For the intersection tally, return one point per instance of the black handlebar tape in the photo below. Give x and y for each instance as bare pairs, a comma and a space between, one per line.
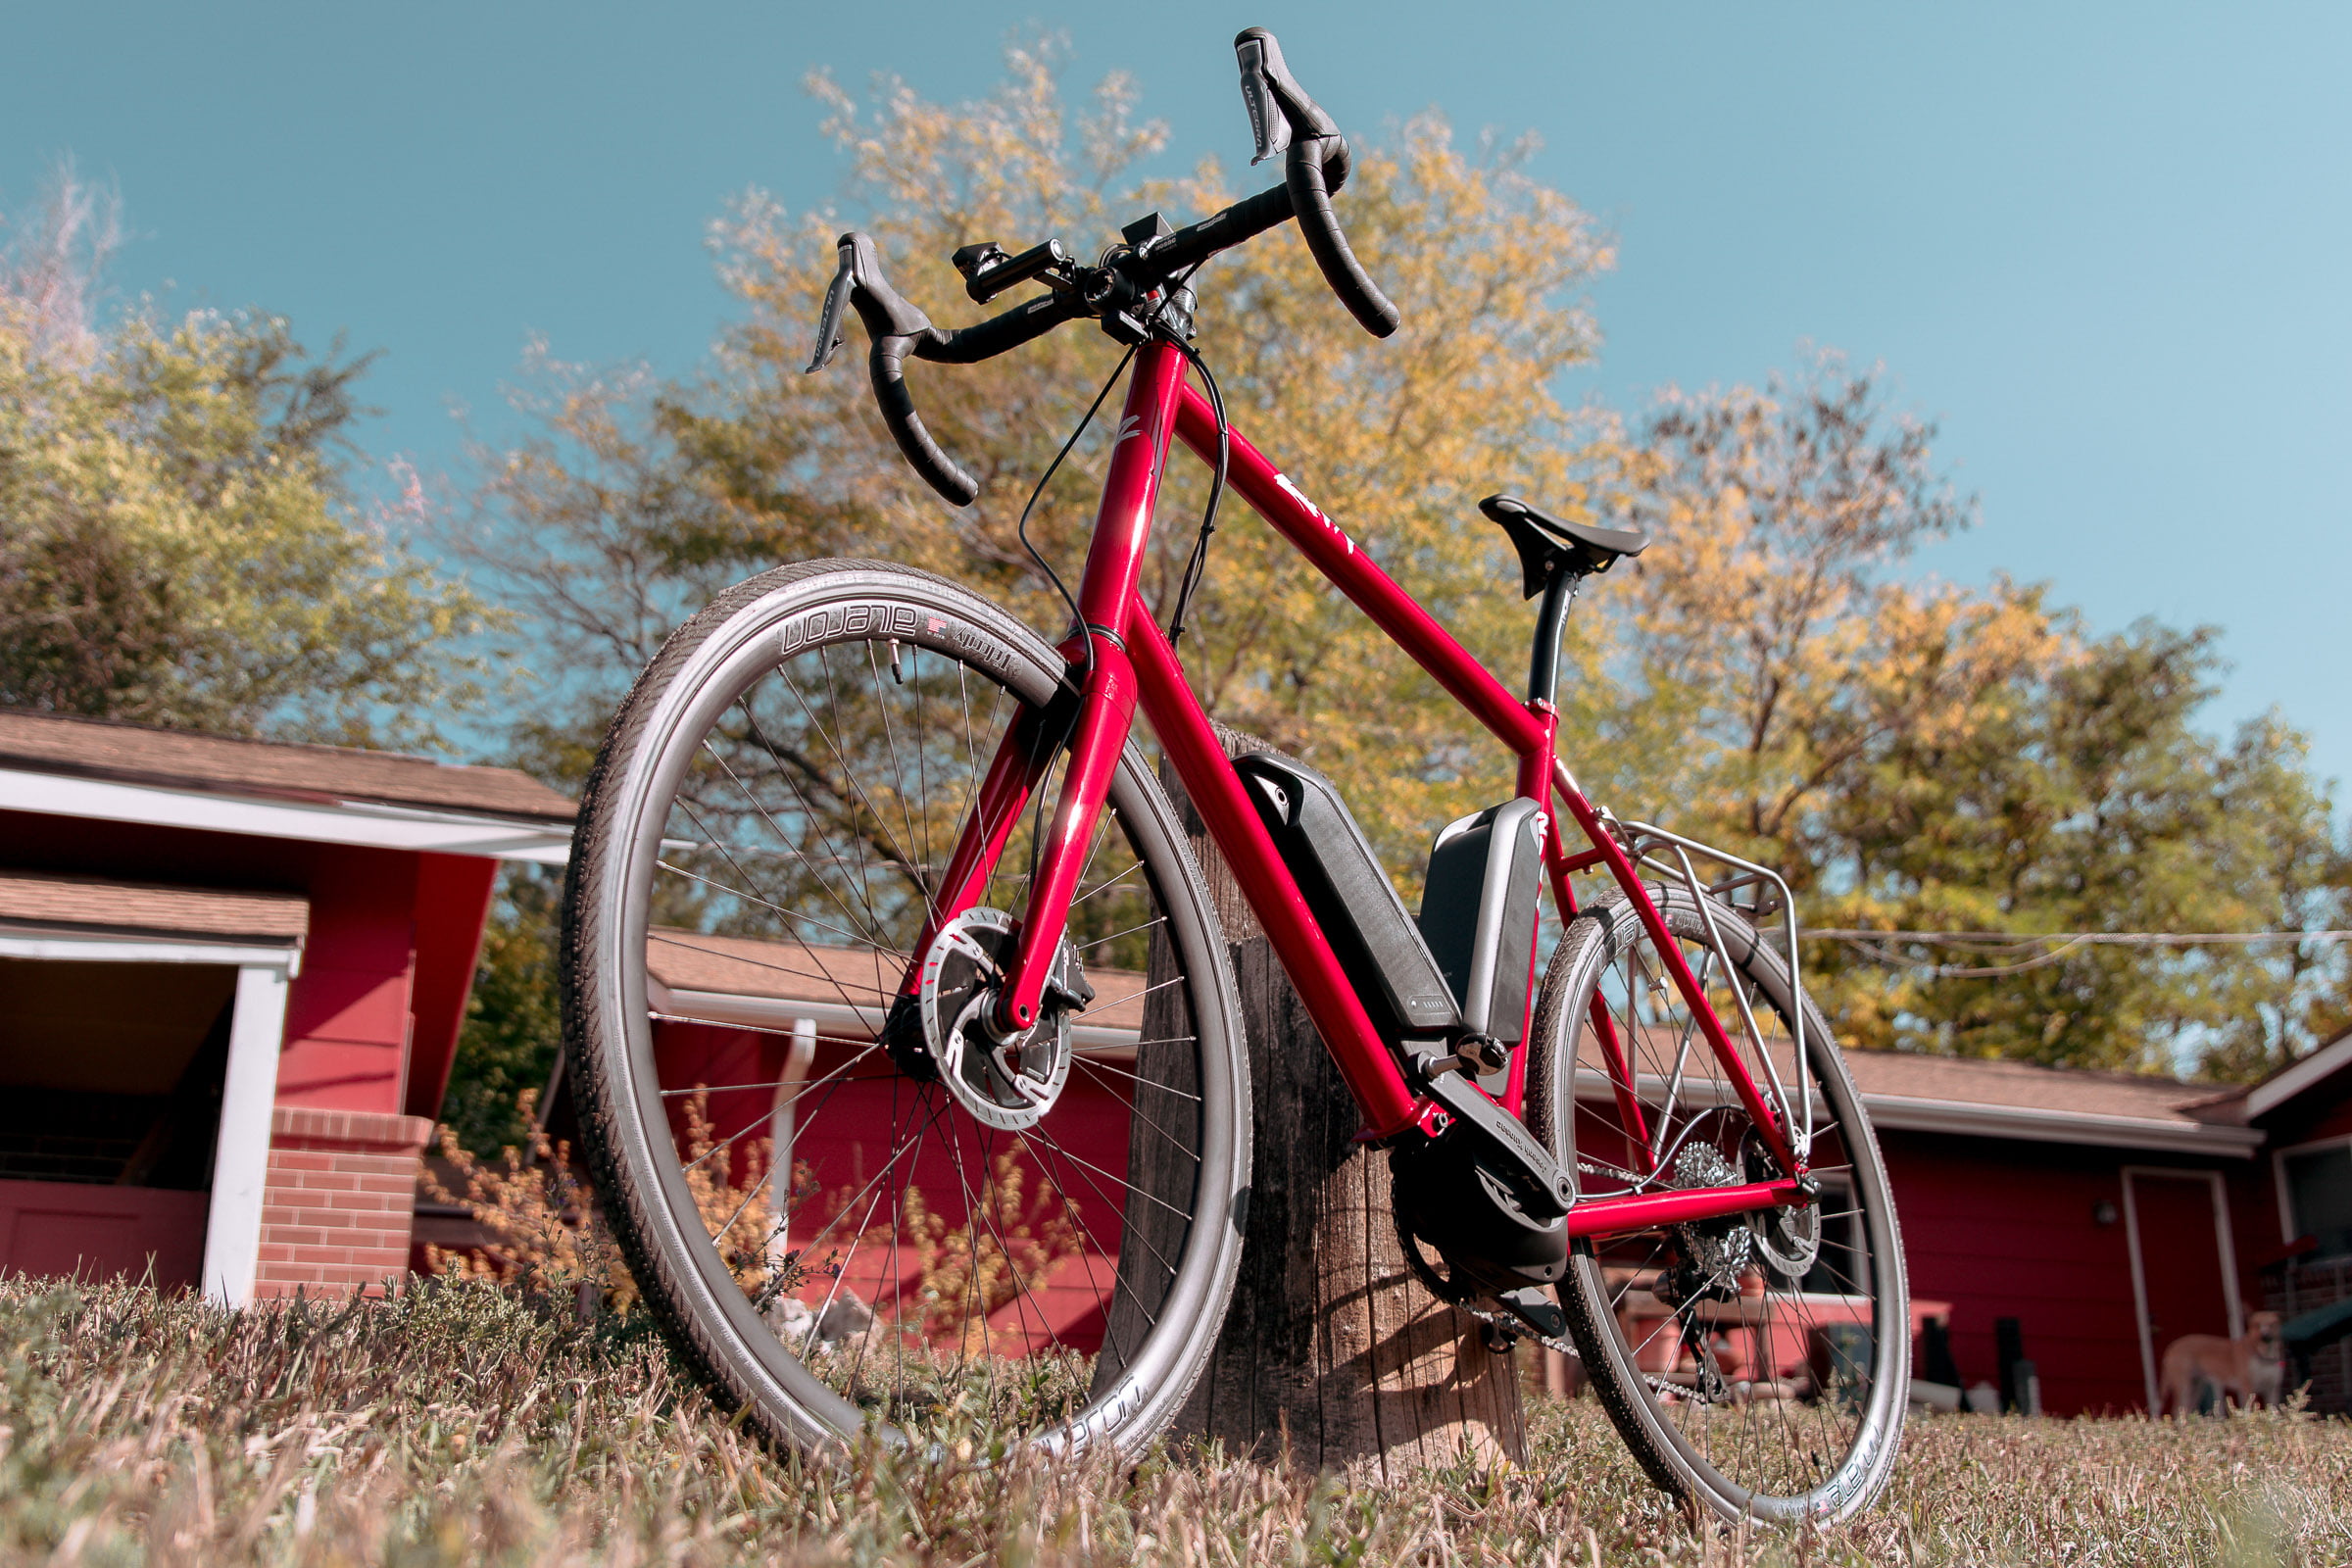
939, 471
1244, 219
897, 328
1310, 191
985, 340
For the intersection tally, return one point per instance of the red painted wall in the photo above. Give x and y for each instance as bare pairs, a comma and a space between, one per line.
850, 1135
452, 903
2321, 1112
372, 1025
2007, 1229
393, 934
347, 1015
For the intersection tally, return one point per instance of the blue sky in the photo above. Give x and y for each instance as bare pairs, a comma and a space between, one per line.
2103, 244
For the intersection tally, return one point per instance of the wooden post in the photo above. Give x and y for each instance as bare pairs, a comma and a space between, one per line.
1330, 1348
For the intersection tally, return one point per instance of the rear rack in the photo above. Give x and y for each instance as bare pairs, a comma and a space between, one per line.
1770, 896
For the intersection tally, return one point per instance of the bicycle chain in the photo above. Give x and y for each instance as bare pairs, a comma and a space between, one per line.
1463, 1299
1464, 1302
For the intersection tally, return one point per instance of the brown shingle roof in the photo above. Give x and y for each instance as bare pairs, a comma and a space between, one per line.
91, 903
859, 977
136, 753
2025, 1086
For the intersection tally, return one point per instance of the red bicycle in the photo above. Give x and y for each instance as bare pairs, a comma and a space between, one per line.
905, 1037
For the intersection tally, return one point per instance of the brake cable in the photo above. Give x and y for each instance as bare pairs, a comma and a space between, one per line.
1196, 568
1086, 641
1077, 621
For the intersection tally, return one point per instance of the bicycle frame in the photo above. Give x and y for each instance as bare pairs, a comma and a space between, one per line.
1133, 665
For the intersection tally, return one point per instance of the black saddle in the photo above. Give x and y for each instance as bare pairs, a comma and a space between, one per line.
1549, 545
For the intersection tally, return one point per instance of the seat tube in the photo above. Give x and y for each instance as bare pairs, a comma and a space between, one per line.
1107, 710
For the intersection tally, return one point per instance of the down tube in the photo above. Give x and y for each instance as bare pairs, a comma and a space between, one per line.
1381, 1093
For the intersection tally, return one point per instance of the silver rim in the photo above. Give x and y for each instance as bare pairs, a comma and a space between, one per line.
1775, 1390
847, 1241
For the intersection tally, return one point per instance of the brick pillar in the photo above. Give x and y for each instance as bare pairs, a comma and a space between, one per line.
338, 1202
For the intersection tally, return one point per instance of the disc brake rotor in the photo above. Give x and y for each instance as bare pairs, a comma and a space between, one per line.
1005, 1081
1788, 1238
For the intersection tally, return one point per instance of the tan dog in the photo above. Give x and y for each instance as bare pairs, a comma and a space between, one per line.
2248, 1367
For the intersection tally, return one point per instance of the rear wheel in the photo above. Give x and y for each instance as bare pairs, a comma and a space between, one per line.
1757, 1365
841, 1231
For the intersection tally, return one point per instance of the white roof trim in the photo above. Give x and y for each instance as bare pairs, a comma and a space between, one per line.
777, 1015
363, 822
88, 948
2264, 1099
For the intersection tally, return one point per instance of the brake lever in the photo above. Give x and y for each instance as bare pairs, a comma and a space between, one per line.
1278, 108
830, 323
860, 286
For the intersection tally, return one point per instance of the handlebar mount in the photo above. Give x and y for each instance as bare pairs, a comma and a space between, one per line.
1133, 291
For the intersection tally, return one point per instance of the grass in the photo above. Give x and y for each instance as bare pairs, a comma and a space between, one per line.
455, 1425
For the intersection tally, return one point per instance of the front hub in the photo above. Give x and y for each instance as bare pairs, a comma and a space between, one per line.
1006, 1081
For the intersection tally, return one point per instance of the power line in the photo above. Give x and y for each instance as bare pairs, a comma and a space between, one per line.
1881, 945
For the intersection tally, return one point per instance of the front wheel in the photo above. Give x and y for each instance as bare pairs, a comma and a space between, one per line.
1757, 1365
840, 1229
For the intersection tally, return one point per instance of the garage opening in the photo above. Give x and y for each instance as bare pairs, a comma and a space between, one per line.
110, 1079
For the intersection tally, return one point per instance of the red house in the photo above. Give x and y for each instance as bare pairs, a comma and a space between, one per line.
231, 978
2077, 1221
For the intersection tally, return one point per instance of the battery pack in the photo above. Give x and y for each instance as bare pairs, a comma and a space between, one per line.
1478, 913
1351, 897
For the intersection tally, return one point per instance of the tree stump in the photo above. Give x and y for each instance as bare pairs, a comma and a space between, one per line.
1332, 1348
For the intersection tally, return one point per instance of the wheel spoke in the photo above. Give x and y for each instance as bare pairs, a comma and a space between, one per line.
914, 1255
1776, 1340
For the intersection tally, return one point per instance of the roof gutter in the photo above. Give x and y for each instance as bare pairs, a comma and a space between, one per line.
2035, 1124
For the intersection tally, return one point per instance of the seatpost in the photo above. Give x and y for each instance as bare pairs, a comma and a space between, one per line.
1552, 620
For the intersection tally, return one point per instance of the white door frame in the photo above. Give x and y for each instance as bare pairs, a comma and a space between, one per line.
2222, 1241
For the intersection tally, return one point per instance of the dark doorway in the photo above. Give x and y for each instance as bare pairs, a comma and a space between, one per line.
2182, 1261
109, 1103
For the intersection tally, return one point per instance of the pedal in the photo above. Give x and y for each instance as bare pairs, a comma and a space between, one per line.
1535, 1307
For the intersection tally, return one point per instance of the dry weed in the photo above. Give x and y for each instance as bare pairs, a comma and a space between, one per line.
455, 1425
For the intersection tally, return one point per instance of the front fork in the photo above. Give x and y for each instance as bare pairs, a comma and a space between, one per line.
1092, 715
1101, 713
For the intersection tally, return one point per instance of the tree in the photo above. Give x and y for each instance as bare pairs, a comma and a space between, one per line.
1927, 757
642, 499
177, 543
1918, 755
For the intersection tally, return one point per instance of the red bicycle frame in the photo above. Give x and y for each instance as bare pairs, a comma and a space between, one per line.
1132, 666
